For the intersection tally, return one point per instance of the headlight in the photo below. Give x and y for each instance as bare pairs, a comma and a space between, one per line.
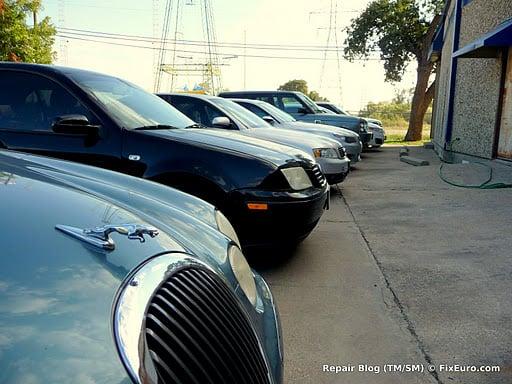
325, 152
363, 125
297, 178
243, 273
225, 227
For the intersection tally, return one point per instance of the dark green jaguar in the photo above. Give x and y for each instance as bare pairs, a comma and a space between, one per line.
106, 278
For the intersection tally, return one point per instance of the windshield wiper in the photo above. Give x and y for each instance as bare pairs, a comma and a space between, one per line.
153, 127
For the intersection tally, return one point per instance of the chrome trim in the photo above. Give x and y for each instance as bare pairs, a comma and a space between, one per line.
130, 307
99, 236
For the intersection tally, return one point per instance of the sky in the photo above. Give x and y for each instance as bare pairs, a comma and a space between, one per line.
272, 22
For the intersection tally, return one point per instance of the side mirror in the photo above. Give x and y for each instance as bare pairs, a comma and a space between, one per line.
269, 119
221, 122
74, 125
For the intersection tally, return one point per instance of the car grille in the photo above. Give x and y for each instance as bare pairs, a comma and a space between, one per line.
342, 152
317, 177
350, 139
197, 332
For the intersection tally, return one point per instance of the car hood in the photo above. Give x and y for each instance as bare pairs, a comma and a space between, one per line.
303, 140
375, 127
328, 118
374, 121
321, 128
56, 292
234, 141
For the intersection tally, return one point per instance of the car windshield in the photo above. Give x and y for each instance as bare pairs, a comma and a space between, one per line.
281, 115
130, 105
249, 119
310, 103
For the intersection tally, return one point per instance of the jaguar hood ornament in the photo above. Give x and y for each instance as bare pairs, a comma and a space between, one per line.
99, 236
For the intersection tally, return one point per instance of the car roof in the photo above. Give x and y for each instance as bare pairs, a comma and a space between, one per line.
248, 101
255, 92
45, 68
194, 95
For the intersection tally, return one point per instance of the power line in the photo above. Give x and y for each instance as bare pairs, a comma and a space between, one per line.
202, 43
71, 37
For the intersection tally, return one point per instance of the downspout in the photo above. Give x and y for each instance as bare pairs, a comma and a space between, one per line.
453, 74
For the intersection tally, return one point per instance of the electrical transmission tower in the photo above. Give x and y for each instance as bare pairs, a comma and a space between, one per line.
332, 31
205, 68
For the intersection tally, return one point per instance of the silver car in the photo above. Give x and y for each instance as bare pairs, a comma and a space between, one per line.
280, 119
216, 112
379, 135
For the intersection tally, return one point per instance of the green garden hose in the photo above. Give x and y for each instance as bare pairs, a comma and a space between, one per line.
485, 185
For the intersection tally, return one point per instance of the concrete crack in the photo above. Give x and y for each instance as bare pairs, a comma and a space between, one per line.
398, 303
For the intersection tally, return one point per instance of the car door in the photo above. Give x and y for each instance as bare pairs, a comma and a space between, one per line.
31, 103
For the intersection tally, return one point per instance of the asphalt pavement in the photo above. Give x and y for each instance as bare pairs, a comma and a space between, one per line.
403, 273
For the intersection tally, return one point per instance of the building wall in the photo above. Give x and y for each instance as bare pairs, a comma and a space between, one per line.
476, 106
477, 83
443, 81
477, 89
482, 16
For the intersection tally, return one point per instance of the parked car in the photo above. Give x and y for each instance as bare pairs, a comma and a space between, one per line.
379, 135
271, 193
304, 109
216, 112
280, 119
339, 111
106, 278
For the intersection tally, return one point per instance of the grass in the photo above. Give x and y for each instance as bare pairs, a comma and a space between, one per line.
398, 139
395, 136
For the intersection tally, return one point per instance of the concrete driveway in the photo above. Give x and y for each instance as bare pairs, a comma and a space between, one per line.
404, 273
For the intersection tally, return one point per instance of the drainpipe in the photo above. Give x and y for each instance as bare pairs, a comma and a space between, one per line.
453, 73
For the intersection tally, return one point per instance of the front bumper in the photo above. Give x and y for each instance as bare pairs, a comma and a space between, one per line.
378, 139
289, 218
365, 137
335, 170
353, 151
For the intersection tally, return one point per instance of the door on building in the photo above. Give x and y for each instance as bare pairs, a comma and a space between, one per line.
505, 135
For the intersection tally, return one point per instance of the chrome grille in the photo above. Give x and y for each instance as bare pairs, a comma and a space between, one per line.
317, 177
197, 332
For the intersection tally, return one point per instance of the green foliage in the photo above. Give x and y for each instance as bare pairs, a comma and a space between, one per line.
301, 86
295, 86
20, 41
395, 113
315, 96
395, 28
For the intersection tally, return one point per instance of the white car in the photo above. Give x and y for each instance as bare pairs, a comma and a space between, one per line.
379, 135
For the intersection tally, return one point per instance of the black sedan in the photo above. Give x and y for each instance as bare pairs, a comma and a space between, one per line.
271, 193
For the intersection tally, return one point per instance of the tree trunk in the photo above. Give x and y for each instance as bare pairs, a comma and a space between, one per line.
420, 102
423, 93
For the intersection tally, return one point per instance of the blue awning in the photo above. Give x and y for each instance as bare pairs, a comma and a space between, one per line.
489, 44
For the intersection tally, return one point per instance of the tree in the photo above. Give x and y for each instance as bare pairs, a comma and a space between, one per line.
18, 40
301, 86
295, 86
315, 96
402, 31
